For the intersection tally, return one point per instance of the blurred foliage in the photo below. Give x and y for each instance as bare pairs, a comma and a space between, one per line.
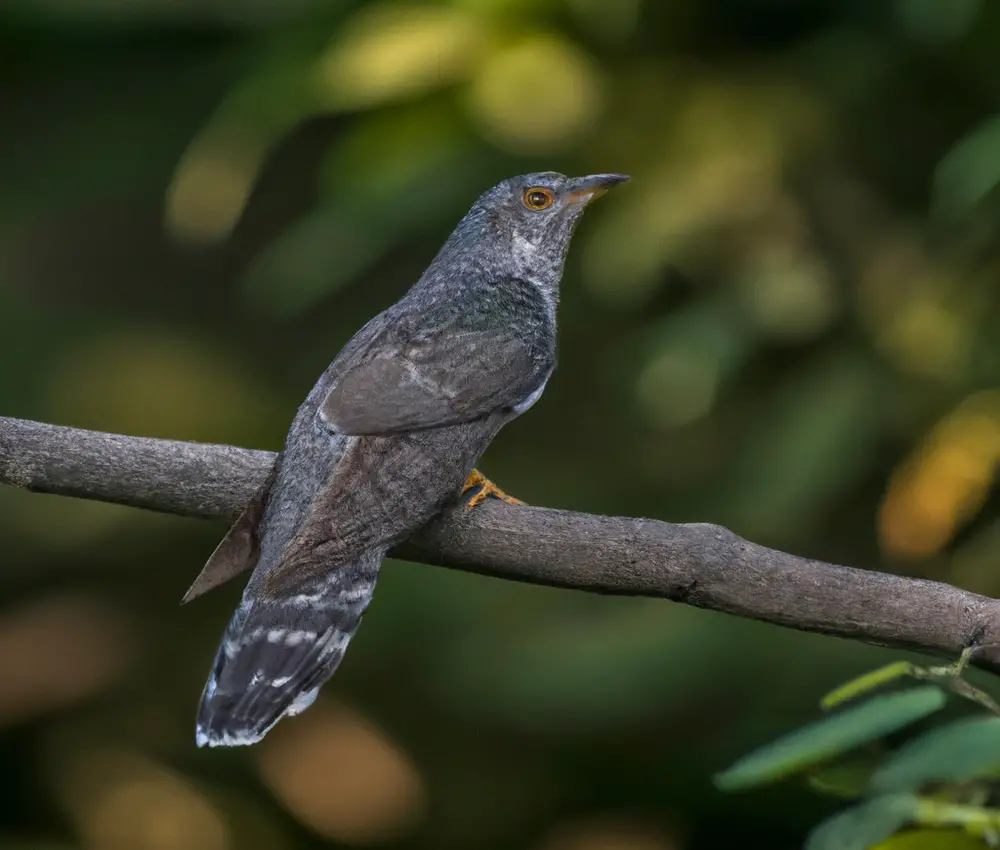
940, 786
786, 324
837, 734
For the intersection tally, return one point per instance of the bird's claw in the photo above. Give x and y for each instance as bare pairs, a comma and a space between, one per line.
486, 488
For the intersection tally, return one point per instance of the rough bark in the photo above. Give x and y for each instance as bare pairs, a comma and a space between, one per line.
698, 564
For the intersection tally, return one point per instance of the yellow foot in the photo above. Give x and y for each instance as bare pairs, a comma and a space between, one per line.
486, 488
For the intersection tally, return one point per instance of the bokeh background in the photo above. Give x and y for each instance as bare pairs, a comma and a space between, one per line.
787, 323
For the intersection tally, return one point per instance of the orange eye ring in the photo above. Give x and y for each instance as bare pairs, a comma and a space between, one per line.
537, 198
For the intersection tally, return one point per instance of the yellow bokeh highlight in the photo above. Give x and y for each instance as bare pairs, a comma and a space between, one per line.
500, 9
922, 313
341, 775
931, 839
537, 95
211, 185
720, 167
607, 834
148, 382
788, 291
714, 154
614, 22
395, 50
945, 482
678, 387
927, 336
59, 651
121, 800
384, 53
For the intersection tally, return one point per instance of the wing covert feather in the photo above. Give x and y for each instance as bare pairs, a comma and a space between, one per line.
428, 377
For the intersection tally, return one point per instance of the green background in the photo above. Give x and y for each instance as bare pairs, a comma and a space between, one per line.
787, 324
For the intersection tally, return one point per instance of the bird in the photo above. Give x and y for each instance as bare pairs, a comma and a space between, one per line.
390, 434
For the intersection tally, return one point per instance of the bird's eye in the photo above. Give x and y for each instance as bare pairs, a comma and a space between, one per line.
538, 198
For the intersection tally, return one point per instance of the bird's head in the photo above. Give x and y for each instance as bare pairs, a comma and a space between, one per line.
528, 221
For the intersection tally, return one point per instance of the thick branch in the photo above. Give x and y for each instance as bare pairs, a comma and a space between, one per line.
703, 565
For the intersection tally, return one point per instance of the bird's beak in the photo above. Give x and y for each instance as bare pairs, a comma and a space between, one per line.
585, 189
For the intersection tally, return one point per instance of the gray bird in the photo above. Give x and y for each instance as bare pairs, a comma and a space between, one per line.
390, 433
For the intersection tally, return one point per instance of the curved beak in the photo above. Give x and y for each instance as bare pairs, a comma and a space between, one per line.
585, 189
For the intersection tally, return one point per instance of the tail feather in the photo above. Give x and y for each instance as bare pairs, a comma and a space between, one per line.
274, 657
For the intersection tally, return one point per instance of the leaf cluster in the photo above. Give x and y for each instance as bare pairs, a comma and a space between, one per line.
914, 784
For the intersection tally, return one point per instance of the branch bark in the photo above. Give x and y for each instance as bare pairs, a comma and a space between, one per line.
698, 564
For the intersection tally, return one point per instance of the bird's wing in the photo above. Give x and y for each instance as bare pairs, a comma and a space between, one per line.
238, 550
444, 369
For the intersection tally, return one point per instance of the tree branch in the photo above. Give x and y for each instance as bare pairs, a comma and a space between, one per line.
699, 564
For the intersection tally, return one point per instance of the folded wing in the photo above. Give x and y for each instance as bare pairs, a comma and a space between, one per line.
447, 370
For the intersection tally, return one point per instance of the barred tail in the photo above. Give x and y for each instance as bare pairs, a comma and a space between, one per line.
275, 655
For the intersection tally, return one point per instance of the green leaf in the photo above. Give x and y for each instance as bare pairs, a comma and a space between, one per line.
936, 24
861, 827
969, 171
813, 440
971, 692
974, 819
850, 779
931, 839
868, 682
339, 242
317, 255
948, 676
965, 749
831, 737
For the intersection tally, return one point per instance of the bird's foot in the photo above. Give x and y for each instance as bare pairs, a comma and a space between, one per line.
485, 488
